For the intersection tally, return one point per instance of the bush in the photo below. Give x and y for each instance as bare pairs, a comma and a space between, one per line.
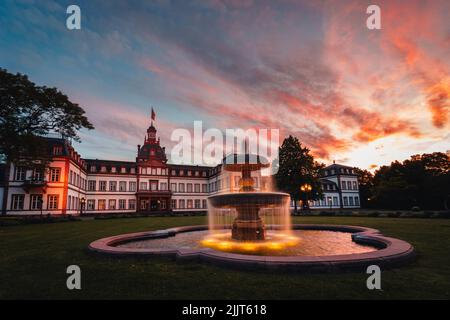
373, 214
394, 214
415, 209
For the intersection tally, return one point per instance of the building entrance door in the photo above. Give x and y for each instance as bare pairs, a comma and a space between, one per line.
154, 205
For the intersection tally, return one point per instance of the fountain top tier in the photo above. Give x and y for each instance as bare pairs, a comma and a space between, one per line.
245, 163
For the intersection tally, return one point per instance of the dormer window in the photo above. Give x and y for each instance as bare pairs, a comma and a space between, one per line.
93, 169
189, 173
197, 173
103, 169
57, 150
132, 170
123, 170
113, 169
181, 172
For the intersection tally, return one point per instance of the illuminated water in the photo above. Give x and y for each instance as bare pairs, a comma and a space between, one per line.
310, 243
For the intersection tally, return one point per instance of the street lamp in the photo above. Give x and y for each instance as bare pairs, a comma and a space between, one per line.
41, 202
82, 203
306, 188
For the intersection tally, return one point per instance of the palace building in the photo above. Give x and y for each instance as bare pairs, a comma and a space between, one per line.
74, 185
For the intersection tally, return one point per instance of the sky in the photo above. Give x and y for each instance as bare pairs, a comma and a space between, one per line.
312, 69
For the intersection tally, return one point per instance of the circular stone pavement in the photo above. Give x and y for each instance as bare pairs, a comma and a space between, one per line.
391, 252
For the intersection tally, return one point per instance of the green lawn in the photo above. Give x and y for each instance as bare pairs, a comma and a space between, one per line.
34, 258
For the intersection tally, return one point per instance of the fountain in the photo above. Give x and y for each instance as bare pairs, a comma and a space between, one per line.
251, 228
248, 212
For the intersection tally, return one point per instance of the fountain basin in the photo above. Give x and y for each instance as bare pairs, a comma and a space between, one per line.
388, 253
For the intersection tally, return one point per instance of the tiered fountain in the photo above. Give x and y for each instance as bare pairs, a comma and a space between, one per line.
252, 229
258, 220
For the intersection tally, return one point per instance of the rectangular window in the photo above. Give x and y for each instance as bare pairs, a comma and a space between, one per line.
351, 200
204, 204
174, 203
20, 173
122, 204
173, 187
92, 185
154, 185
197, 187
189, 187
17, 201
143, 186
163, 186
329, 203
101, 204
204, 188
132, 204
35, 201
113, 186
163, 204
132, 186
37, 175
349, 185
356, 201
181, 187
57, 150
52, 201
335, 201
55, 174
122, 186
181, 202
343, 185
197, 204
345, 201
102, 185
153, 171
112, 204
189, 204
355, 185
90, 205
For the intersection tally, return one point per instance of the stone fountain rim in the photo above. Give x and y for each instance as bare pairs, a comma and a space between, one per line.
394, 252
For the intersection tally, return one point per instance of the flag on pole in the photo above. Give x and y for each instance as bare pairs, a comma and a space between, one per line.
153, 115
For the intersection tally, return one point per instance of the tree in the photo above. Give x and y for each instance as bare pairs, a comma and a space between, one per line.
365, 180
295, 168
423, 181
29, 112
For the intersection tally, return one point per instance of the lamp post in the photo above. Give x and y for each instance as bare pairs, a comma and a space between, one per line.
82, 203
306, 188
41, 202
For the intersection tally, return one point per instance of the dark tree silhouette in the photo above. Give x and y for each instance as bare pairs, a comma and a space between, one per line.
296, 166
27, 112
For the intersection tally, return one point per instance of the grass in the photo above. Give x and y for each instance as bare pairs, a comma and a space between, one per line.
34, 259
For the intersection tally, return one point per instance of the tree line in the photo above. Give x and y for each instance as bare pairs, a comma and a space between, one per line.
421, 182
